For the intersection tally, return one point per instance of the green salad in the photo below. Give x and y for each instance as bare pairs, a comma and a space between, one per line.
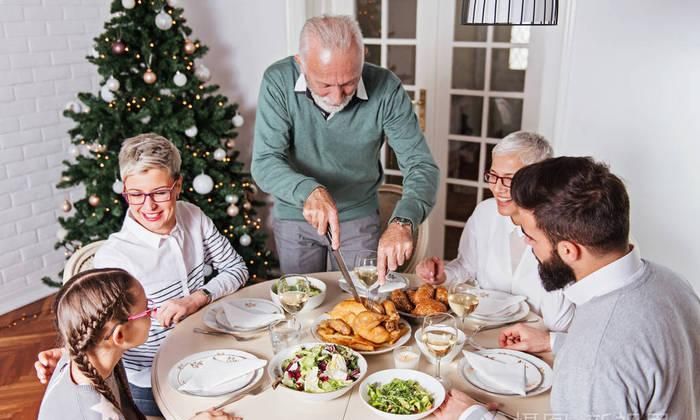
321, 368
313, 291
400, 397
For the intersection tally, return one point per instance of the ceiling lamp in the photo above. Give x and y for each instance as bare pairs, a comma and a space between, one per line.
510, 12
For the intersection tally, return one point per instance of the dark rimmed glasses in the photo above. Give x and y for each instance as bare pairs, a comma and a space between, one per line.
158, 196
150, 311
492, 178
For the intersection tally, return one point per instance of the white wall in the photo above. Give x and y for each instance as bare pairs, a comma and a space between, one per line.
629, 96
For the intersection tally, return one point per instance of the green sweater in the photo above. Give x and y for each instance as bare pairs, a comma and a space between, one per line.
296, 149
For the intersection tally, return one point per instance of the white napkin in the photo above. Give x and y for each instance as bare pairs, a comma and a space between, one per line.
243, 318
213, 373
494, 306
393, 282
508, 377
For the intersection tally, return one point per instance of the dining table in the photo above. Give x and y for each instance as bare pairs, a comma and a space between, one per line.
263, 402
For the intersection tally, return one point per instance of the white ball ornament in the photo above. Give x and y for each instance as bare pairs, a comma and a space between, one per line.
219, 154
146, 119
231, 198
74, 106
232, 210
179, 79
238, 120
245, 240
203, 184
202, 73
164, 21
128, 4
61, 234
118, 187
173, 3
112, 84
192, 131
74, 151
106, 94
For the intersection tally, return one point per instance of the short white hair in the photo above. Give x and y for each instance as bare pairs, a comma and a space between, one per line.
334, 32
148, 151
530, 147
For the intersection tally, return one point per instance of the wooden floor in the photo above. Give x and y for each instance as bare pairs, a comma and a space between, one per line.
23, 333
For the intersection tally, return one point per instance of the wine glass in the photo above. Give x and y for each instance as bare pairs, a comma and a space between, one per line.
463, 299
293, 291
439, 334
366, 269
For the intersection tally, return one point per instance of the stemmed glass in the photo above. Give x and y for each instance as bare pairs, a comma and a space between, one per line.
463, 299
293, 291
366, 269
439, 334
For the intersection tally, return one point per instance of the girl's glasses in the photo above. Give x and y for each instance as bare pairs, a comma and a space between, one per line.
150, 311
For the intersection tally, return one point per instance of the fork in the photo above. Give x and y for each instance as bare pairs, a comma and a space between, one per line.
231, 334
232, 399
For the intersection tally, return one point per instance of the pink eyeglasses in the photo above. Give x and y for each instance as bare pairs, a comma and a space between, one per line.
151, 311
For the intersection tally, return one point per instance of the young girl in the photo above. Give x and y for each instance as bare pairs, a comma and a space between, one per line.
100, 314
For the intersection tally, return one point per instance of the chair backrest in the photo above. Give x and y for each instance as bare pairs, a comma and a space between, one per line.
81, 260
389, 195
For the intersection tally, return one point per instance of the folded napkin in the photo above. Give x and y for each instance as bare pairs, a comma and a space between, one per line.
248, 318
508, 377
495, 306
213, 373
393, 282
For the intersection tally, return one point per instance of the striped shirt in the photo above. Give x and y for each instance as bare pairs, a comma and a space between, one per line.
171, 267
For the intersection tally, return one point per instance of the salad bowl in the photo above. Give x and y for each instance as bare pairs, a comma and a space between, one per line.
317, 371
318, 294
390, 384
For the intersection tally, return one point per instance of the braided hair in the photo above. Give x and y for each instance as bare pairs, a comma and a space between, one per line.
83, 306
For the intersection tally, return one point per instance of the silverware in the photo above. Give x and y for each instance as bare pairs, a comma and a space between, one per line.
346, 274
502, 413
493, 327
232, 399
230, 334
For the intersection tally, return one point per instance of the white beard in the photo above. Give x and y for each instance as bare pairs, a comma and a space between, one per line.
329, 108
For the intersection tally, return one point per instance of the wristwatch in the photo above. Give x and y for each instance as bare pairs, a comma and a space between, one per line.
206, 293
402, 221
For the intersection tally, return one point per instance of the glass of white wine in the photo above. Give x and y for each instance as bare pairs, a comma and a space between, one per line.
463, 299
293, 291
366, 269
439, 334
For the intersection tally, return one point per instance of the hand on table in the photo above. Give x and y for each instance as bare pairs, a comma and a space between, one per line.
395, 248
454, 405
175, 310
46, 363
432, 270
212, 414
524, 338
320, 211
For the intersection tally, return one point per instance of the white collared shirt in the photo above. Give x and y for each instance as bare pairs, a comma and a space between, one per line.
170, 267
360, 92
485, 254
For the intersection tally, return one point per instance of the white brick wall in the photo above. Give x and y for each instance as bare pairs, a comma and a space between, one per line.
42, 48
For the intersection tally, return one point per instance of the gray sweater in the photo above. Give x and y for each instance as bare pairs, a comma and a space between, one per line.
633, 353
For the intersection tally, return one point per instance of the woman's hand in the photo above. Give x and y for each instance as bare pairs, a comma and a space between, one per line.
432, 270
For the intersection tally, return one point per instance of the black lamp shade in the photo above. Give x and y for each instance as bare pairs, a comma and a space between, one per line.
510, 12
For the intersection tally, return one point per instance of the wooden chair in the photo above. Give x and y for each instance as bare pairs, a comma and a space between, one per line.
81, 260
389, 195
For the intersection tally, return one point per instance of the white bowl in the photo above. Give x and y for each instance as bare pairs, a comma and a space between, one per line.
461, 338
312, 303
275, 371
428, 382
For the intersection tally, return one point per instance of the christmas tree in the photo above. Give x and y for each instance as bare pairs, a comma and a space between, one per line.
153, 81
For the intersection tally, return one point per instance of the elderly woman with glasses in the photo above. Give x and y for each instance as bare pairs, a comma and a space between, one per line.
492, 250
165, 243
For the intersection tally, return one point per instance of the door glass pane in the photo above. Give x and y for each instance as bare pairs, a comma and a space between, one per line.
508, 69
452, 235
465, 115
373, 54
390, 160
505, 116
402, 18
512, 34
467, 32
401, 59
461, 201
468, 68
393, 179
463, 160
487, 193
369, 16
489, 151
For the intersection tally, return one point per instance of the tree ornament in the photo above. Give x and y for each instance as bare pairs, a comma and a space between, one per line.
189, 47
253, 188
146, 119
166, 92
164, 21
112, 84
94, 200
118, 47
149, 77
61, 234
118, 187
192, 131
219, 154
232, 210
203, 184
74, 151
65, 178
231, 198
207, 270
230, 143
237, 120
66, 206
173, 3
202, 73
128, 4
86, 109
179, 79
74, 107
245, 240
247, 206
106, 94
94, 53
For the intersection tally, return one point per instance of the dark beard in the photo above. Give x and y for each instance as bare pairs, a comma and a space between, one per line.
554, 273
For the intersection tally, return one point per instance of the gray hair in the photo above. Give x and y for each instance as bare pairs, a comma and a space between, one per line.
530, 147
148, 151
339, 32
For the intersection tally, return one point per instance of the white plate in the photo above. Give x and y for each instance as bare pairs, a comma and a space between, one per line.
539, 374
215, 317
400, 342
519, 312
183, 370
426, 381
313, 302
391, 277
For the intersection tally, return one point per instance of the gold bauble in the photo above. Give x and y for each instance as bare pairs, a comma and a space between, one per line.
189, 47
94, 200
149, 77
247, 205
230, 143
232, 210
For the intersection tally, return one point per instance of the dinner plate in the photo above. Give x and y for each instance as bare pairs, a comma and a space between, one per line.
215, 317
185, 368
512, 314
391, 277
538, 373
383, 349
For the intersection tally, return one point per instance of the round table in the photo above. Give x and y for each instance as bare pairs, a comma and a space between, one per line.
269, 405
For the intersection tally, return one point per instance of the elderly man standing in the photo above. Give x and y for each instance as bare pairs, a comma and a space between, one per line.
321, 121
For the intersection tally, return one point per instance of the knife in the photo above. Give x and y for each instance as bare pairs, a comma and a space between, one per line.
343, 268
